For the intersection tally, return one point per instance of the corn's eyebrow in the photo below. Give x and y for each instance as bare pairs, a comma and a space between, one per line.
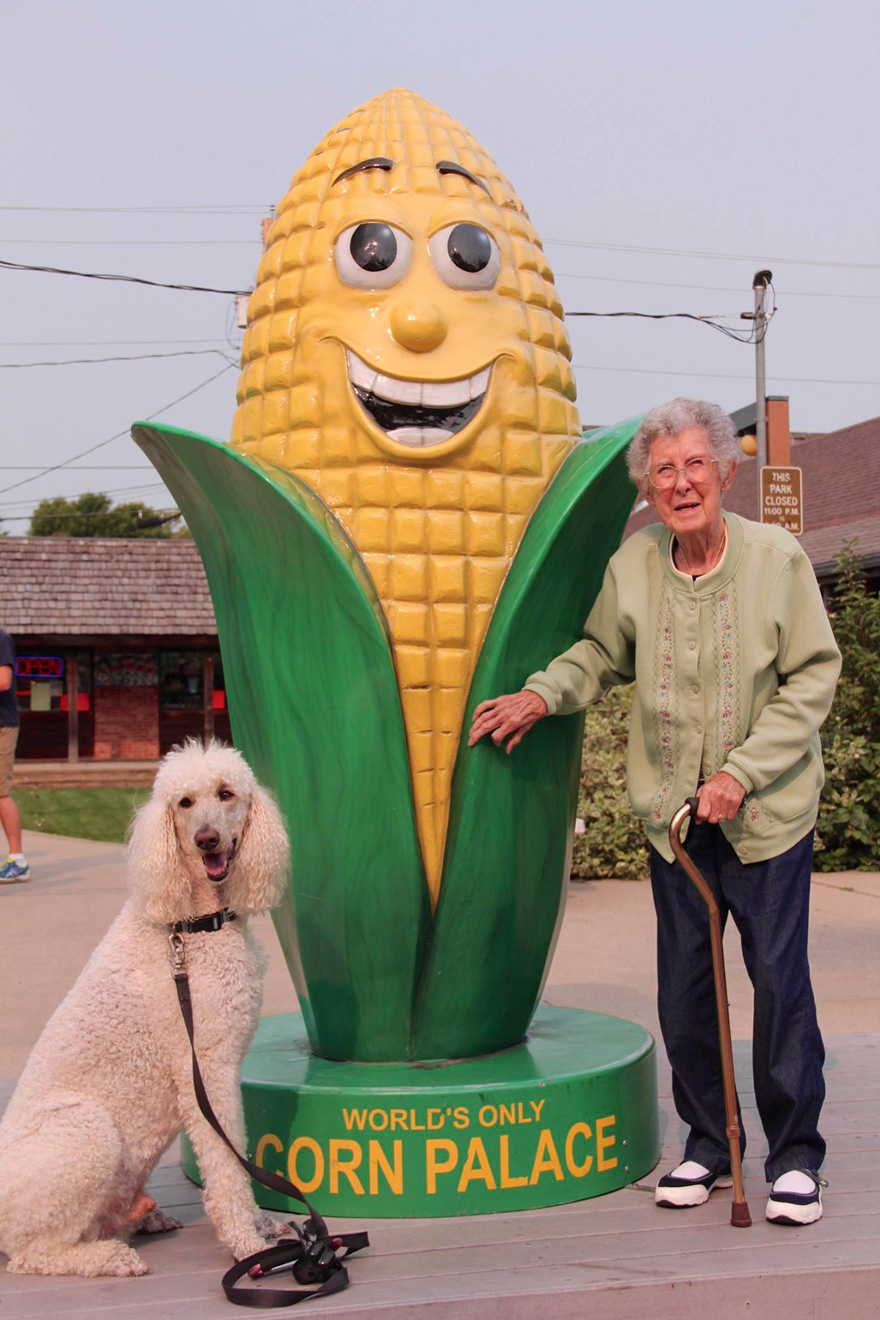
374, 163
450, 167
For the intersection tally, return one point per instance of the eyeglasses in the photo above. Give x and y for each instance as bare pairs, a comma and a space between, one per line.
697, 470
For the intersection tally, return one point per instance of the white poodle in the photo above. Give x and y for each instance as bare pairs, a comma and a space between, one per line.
109, 1083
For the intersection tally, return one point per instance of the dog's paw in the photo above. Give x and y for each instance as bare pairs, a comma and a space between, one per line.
124, 1263
247, 1245
158, 1222
268, 1227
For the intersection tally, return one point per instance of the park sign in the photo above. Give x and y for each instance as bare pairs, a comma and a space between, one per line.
782, 498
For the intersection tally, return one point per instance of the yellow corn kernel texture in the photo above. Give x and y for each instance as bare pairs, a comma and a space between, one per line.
437, 532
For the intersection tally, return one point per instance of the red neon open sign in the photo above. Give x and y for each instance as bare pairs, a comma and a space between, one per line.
39, 666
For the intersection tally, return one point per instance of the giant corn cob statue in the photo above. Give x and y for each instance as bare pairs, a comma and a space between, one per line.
459, 406
411, 523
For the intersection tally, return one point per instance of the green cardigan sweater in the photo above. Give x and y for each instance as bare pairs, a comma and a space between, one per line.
734, 671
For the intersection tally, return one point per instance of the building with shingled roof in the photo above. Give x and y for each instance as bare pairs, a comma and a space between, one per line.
118, 657
116, 641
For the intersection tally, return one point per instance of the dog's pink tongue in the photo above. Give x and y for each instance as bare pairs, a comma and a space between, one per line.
215, 864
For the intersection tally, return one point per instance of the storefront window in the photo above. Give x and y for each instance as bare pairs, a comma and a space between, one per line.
219, 695
41, 681
180, 680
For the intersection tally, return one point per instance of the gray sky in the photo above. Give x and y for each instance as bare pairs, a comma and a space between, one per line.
746, 131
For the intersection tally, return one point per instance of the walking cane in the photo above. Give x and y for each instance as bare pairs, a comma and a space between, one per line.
739, 1211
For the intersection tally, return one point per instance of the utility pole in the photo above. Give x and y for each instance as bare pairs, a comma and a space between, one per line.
760, 285
780, 486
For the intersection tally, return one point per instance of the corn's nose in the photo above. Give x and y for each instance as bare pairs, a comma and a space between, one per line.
418, 326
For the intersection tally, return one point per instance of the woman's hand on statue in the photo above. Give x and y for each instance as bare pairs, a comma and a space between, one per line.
509, 717
720, 798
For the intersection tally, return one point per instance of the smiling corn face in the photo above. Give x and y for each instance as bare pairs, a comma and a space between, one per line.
405, 358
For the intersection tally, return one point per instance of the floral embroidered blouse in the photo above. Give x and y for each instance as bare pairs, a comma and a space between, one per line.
733, 671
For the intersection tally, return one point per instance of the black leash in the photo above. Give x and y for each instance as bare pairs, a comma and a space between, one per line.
313, 1253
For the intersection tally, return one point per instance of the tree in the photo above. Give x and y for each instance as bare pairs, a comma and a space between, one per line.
93, 514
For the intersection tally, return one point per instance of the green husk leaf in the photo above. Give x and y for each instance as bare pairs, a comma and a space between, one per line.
512, 818
315, 709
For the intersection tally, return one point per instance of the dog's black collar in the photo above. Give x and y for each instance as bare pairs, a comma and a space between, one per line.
213, 921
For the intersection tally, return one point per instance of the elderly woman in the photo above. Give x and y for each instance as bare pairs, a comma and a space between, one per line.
720, 624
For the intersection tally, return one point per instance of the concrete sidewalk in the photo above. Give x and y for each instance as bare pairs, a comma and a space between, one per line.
605, 958
614, 1257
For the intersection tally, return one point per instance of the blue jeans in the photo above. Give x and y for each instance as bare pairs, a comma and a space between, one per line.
769, 902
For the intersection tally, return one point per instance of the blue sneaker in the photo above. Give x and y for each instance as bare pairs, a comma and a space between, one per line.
13, 871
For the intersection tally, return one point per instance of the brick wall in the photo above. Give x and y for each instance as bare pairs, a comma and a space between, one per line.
126, 723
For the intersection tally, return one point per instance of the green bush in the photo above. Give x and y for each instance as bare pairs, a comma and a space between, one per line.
614, 842
847, 833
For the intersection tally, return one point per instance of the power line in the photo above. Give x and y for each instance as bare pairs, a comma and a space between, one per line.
86, 467
116, 490
255, 208
721, 375
155, 484
119, 434
243, 208
129, 357
133, 242
741, 337
713, 256
744, 338
707, 288
100, 343
123, 279
108, 513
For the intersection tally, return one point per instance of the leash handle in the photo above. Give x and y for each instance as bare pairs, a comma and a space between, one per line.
292, 1254
313, 1256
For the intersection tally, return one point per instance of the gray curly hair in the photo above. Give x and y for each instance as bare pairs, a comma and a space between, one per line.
670, 419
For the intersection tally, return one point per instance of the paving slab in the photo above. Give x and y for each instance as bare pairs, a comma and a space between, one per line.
616, 1257
611, 1258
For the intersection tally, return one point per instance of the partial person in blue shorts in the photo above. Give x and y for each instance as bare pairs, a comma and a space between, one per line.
15, 867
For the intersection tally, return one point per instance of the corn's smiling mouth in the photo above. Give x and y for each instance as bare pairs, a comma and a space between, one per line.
412, 412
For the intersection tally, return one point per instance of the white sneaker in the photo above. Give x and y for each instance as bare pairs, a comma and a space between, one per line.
796, 1198
689, 1184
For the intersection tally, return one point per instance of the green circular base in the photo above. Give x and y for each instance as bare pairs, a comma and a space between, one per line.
569, 1114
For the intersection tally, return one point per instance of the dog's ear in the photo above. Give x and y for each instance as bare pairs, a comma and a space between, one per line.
157, 876
263, 854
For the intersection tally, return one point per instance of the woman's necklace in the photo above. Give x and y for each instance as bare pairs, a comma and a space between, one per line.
680, 557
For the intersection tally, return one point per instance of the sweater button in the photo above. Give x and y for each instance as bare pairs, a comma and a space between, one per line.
692, 646
693, 604
695, 688
699, 728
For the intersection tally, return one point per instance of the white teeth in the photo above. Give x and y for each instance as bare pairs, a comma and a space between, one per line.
397, 391
446, 394
431, 394
419, 436
479, 383
359, 373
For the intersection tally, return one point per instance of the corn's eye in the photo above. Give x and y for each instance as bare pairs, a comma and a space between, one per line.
185, 802
465, 257
372, 255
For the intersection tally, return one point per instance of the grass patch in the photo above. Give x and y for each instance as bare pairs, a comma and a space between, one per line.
80, 813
